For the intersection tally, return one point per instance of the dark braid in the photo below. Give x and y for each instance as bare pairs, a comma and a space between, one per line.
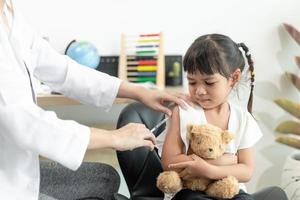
251, 69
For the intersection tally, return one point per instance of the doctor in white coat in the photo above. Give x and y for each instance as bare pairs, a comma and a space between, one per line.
27, 131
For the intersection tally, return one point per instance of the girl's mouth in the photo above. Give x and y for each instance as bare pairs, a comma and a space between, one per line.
204, 100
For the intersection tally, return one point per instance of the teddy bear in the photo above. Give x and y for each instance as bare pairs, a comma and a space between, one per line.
208, 142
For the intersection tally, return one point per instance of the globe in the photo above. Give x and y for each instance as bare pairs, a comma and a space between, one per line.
84, 53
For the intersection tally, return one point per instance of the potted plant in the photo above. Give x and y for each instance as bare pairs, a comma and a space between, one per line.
292, 107
290, 130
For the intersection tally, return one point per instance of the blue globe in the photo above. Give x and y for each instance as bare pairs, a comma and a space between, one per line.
84, 53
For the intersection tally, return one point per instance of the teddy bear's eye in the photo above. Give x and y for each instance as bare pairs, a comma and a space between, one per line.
199, 142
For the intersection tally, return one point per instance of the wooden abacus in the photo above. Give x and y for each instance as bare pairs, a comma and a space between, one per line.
142, 59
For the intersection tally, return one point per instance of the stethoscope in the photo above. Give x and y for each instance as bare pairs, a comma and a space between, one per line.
30, 81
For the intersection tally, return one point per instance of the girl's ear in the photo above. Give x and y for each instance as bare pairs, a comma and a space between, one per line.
235, 76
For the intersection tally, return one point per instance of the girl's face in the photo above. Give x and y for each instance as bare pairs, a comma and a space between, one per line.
209, 91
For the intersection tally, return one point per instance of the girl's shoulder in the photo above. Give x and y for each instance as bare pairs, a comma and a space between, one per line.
244, 126
192, 114
242, 117
240, 111
191, 109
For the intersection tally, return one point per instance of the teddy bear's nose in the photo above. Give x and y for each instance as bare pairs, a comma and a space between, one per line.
210, 149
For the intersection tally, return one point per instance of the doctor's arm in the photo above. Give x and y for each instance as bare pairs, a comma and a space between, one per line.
153, 98
64, 141
88, 85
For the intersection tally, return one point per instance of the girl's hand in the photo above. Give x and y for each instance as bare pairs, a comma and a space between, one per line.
132, 136
192, 169
226, 159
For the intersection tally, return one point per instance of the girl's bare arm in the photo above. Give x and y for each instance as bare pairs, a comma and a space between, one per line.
243, 170
226, 159
173, 145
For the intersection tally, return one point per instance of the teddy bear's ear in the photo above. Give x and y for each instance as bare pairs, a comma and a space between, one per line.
189, 131
227, 137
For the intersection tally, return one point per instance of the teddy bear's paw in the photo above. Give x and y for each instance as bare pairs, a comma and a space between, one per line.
169, 182
199, 184
226, 188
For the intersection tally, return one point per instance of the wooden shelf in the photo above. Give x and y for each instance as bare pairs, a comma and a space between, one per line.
61, 100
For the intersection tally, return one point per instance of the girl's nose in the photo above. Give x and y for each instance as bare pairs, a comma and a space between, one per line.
200, 91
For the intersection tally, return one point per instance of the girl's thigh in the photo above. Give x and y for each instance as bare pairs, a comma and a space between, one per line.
243, 196
187, 194
193, 195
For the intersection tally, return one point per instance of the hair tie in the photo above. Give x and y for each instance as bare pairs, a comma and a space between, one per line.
252, 72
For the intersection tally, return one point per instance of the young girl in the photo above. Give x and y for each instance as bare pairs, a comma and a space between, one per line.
214, 64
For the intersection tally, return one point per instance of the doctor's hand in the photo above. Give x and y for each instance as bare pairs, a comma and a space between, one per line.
185, 96
191, 169
157, 100
128, 137
132, 136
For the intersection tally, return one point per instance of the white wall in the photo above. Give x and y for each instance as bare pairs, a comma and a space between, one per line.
256, 22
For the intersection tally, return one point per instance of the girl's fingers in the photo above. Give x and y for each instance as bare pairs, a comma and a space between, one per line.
180, 165
183, 173
195, 157
186, 177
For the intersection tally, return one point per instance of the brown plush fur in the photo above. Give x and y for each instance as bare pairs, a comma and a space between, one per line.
208, 142
169, 182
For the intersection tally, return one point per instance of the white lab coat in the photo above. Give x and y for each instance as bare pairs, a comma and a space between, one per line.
26, 130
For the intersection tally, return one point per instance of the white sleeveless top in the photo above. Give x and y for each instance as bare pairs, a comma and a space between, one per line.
241, 124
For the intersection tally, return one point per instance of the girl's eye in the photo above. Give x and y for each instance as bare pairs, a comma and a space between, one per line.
192, 83
209, 83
